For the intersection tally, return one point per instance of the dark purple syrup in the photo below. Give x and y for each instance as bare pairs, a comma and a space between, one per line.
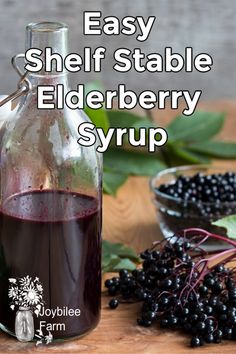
55, 236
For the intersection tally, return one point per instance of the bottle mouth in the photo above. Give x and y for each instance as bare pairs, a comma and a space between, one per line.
45, 34
47, 27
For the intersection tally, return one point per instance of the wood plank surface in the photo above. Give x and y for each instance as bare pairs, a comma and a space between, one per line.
131, 218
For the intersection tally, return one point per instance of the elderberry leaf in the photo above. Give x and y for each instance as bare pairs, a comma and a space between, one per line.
125, 263
116, 256
125, 119
200, 126
98, 117
119, 250
182, 155
222, 149
114, 263
109, 259
132, 162
117, 264
112, 181
229, 223
109, 263
143, 123
93, 86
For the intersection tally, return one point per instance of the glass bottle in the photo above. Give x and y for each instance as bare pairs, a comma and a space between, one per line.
50, 221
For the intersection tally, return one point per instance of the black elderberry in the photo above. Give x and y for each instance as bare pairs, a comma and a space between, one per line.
174, 292
140, 294
162, 272
187, 246
227, 332
116, 279
172, 321
164, 301
220, 307
141, 278
202, 316
215, 189
200, 326
209, 282
213, 301
108, 283
146, 322
185, 311
209, 338
232, 319
209, 329
113, 303
150, 315
219, 268
203, 290
218, 336
217, 288
190, 264
195, 342
231, 312
163, 322
209, 322
112, 290
123, 273
140, 321
193, 317
155, 254
232, 295
174, 301
230, 284
208, 310
166, 284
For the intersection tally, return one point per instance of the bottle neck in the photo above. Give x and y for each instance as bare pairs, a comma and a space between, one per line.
49, 80
48, 34
51, 35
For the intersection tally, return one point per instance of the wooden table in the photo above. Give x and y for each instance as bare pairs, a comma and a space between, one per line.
130, 218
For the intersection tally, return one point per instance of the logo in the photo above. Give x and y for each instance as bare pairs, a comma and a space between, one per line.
26, 295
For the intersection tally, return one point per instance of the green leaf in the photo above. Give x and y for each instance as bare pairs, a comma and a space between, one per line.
119, 249
94, 86
125, 263
222, 149
229, 223
197, 157
125, 119
108, 258
130, 162
112, 181
116, 256
143, 123
182, 155
200, 126
108, 266
117, 264
98, 117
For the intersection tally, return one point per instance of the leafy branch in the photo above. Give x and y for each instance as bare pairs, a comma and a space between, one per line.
116, 256
228, 223
191, 141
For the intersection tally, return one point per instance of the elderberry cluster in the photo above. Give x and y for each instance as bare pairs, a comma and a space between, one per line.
176, 292
208, 192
